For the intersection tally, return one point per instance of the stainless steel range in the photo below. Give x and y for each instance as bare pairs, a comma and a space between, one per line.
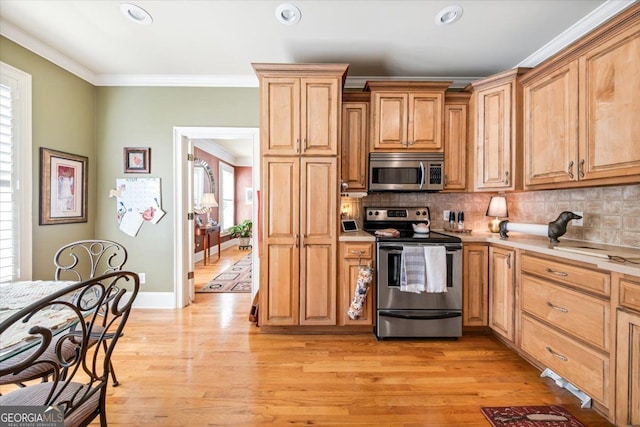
413, 315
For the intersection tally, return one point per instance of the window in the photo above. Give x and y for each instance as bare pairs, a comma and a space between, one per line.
227, 196
15, 174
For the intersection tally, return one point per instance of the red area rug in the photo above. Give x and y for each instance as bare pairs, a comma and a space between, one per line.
530, 416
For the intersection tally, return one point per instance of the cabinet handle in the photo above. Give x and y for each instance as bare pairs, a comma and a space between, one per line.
297, 145
354, 252
581, 169
558, 355
446, 179
506, 177
555, 307
508, 261
411, 142
557, 273
570, 169
297, 241
304, 145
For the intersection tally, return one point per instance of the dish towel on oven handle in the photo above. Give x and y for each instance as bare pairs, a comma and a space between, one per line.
436, 268
365, 274
412, 270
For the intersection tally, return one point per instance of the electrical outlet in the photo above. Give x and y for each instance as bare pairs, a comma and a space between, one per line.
578, 222
445, 215
143, 277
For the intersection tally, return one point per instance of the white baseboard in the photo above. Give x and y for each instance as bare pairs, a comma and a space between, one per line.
155, 300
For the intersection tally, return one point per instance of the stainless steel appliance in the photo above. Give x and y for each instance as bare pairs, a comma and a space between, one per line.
404, 314
406, 172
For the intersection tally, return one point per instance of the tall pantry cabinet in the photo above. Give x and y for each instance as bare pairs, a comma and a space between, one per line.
300, 107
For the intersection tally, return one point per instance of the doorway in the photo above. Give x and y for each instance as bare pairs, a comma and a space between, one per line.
183, 189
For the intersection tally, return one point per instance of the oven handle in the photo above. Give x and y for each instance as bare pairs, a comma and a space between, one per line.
397, 249
438, 315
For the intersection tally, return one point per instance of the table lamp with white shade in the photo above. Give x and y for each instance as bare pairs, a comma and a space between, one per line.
497, 209
209, 201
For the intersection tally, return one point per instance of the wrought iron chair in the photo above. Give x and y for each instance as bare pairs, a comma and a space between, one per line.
68, 318
74, 261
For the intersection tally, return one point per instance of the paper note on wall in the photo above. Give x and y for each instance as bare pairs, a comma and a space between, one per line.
131, 223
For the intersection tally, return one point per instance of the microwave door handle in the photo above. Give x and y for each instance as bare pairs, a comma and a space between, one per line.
422, 175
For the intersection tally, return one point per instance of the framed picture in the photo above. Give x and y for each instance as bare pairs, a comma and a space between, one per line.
63, 187
137, 159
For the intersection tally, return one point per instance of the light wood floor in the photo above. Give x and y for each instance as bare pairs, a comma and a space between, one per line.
207, 365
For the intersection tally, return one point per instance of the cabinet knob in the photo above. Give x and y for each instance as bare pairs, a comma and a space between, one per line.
581, 169
506, 177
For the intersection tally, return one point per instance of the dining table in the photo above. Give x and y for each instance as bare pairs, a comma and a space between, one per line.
14, 296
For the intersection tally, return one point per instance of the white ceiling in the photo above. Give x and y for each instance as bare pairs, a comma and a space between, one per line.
213, 43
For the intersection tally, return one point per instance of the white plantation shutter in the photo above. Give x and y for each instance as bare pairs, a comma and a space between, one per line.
227, 196
15, 174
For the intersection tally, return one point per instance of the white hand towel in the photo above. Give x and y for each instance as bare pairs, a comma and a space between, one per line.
412, 270
435, 258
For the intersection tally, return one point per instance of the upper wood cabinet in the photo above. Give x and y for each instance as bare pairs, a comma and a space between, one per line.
498, 132
581, 111
300, 108
354, 141
456, 112
407, 116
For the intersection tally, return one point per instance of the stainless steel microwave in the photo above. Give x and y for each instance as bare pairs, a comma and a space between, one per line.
406, 172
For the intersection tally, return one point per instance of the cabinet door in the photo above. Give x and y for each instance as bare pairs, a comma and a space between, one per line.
348, 283
280, 116
502, 291
475, 309
455, 146
610, 108
424, 126
318, 276
628, 369
279, 289
320, 115
493, 138
551, 127
389, 120
355, 124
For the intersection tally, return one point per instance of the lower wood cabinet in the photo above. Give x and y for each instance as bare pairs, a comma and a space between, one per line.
628, 369
475, 284
353, 255
502, 281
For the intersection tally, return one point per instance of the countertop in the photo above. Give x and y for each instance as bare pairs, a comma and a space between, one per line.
533, 243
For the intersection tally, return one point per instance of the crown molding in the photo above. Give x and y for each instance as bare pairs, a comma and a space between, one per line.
36, 46
593, 20
597, 17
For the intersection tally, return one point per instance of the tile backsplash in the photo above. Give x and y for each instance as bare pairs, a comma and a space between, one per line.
611, 214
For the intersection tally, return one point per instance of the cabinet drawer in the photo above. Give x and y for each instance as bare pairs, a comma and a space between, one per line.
590, 280
355, 251
630, 294
583, 367
583, 316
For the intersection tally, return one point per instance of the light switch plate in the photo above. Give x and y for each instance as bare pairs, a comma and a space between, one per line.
445, 215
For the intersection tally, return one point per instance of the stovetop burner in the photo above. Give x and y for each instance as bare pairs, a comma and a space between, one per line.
402, 219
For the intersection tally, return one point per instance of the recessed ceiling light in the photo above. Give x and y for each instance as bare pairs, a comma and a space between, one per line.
449, 15
288, 14
136, 14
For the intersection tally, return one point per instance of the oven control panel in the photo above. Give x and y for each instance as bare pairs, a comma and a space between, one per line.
397, 214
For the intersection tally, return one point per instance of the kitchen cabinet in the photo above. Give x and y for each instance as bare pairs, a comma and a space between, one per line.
407, 115
353, 255
456, 111
298, 266
475, 287
566, 322
502, 282
355, 140
581, 111
627, 411
498, 132
300, 108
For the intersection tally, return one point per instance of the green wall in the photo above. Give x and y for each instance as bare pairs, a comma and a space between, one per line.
72, 115
63, 119
145, 117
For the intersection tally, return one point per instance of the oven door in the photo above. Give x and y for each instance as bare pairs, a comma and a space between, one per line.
390, 297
